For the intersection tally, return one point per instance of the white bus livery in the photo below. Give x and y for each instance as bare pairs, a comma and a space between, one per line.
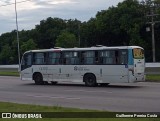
94, 65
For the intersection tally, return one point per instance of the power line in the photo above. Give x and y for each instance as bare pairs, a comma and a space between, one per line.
14, 3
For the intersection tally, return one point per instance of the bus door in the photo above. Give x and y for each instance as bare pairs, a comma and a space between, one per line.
26, 67
114, 66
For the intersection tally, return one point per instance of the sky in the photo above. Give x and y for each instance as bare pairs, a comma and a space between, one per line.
31, 12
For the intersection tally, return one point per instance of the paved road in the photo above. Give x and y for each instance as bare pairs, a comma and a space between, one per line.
137, 97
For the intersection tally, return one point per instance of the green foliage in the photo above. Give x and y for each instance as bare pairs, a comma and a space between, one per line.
124, 24
48, 31
66, 40
28, 45
6, 56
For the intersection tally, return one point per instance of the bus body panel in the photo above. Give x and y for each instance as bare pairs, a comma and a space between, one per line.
68, 74
132, 71
72, 73
26, 74
115, 73
139, 69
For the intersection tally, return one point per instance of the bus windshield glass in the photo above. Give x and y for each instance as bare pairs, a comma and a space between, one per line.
138, 53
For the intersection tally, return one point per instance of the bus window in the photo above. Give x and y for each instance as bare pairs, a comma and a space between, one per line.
54, 58
26, 61
108, 57
39, 58
138, 53
71, 58
75, 58
88, 57
123, 58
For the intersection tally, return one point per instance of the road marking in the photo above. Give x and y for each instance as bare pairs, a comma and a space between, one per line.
54, 97
89, 91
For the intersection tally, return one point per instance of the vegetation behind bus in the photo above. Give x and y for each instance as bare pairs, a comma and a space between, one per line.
111, 27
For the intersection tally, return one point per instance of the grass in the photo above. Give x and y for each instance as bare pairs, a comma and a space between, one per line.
13, 107
9, 73
154, 78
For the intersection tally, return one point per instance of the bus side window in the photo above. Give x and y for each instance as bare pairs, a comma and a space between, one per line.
88, 57
39, 58
54, 58
75, 58
82, 57
107, 57
66, 58
123, 57
70, 58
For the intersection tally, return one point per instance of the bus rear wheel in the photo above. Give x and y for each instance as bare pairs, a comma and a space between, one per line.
38, 79
90, 80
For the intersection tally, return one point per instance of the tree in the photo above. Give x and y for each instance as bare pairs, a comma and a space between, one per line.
89, 34
121, 25
6, 55
29, 45
124, 24
66, 40
47, 32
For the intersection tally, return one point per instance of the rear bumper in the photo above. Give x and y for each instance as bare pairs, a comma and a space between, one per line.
137, 78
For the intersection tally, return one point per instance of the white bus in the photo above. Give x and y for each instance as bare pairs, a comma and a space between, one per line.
94, 65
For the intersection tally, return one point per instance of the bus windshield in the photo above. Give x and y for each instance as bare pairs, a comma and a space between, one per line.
138, 53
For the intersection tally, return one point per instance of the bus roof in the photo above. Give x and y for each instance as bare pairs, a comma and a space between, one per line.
83, 49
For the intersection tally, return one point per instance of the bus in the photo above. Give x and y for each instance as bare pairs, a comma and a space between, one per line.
91, 66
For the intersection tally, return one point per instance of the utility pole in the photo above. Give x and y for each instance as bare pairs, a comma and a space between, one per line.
17, 35
152, 14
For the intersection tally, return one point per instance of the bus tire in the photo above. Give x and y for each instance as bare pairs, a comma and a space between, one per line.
90, 80
38, 79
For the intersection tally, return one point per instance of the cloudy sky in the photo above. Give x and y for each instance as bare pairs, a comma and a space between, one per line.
31, 12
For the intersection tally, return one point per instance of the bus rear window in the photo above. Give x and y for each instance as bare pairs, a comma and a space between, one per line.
138, 53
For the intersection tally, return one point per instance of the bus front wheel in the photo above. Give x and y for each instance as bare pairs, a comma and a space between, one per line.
90, 80
38, 79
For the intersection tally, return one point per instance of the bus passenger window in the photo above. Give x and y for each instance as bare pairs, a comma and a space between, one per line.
71, 58
108, 57
54, 58
123, 57
88, 57
39, 58
75, 58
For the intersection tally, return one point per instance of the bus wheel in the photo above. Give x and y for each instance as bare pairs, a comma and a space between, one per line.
90, 80
38, 79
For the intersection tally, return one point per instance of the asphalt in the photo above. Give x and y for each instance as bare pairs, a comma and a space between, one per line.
135, 97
